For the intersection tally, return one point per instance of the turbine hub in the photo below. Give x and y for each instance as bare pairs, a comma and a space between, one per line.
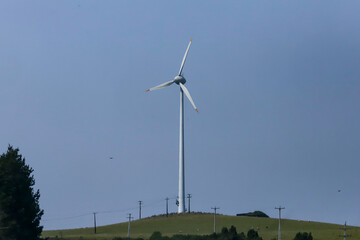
179, 79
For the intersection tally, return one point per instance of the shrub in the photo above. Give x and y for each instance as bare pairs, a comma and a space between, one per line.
303, 236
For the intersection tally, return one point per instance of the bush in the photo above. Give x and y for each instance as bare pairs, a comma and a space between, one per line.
254, 214
232, 230
226, 234
303, 236
253, 235
224, 231
156, 236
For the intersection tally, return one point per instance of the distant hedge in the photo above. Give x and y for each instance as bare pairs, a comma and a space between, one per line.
253, 214
226, 234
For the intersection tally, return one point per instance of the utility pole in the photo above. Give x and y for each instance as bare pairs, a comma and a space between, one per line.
189, 196
215, 217
345, 235
129, 225
167, 206
279, 208
140, 209
94, 222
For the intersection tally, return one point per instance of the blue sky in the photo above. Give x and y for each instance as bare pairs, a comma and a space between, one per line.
276, 84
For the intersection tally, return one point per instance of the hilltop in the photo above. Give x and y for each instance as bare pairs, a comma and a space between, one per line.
202, 223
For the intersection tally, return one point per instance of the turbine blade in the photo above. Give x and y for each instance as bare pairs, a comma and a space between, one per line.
161, 86
184, 59
188, 95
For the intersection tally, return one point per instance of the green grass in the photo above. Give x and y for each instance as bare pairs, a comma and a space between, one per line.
203, 224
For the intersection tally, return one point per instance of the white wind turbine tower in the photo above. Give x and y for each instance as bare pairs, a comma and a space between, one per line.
180, 80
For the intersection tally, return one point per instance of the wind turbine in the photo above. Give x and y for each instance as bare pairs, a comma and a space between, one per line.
180, 80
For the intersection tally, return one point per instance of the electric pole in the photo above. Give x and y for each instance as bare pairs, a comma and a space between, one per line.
345, 235
215, 217
279, 208
189, 196
140, 209
167, 206
129, 225
94, 222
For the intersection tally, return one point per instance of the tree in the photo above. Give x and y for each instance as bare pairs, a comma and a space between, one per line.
242, 236
254, 214
253, 235
232, 230
20, 213
234, 235
224, 235
156, 236
303, 236
224, 231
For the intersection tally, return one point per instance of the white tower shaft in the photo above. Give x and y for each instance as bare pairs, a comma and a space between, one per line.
181, 207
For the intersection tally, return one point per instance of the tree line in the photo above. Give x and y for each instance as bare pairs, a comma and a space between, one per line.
225, 234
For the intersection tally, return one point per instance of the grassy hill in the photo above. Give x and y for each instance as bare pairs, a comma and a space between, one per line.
195, 223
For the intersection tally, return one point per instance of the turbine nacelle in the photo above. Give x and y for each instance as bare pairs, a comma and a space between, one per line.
179, 79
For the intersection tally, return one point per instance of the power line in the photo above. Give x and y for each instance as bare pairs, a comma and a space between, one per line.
215, 217
90, 213
279, 208
120, 210
66, 218
156, 202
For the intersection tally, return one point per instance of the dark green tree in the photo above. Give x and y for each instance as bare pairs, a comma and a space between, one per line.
224, 235
242, 236
20, 213
156, 236
253, 235
224, 231
254, 214
303, 236
232, 230
234, 235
